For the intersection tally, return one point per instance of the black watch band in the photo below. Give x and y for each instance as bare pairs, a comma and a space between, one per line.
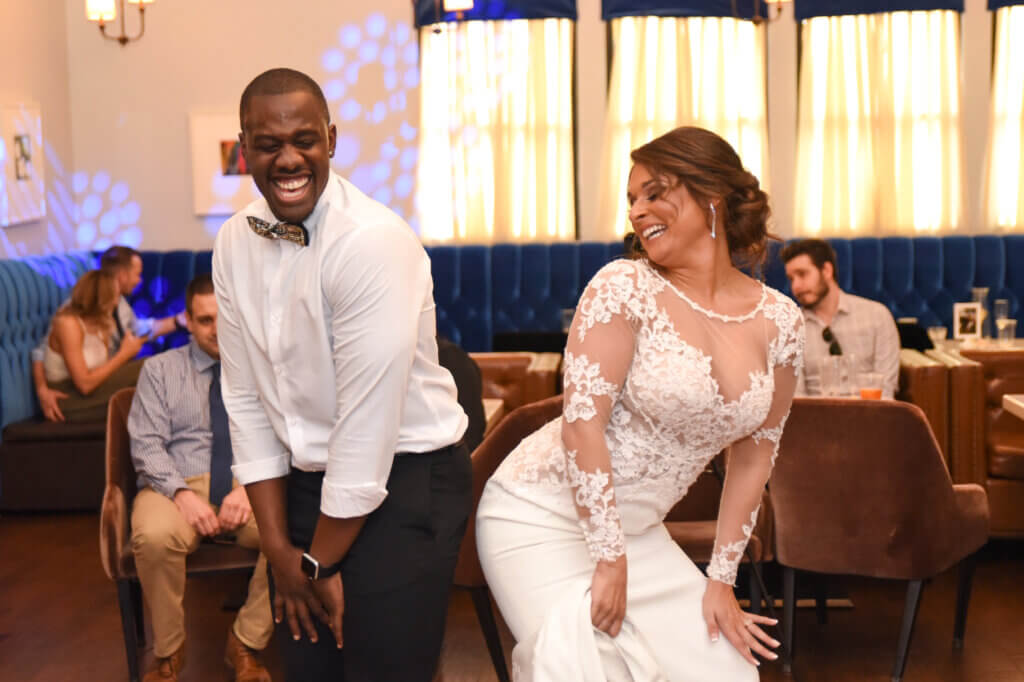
314, 570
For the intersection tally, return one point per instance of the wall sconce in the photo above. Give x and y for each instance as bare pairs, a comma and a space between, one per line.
102, 11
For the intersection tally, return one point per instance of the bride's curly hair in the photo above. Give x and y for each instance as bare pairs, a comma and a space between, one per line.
710, 169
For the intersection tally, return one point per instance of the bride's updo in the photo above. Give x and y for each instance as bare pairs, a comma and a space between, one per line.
710, 168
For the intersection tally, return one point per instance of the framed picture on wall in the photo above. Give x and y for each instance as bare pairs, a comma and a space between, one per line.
221, 184
23, 176
967, 320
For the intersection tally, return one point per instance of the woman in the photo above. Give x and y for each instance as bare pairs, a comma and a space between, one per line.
672, 357
77, 361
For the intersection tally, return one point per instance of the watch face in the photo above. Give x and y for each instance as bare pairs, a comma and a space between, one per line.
309, 566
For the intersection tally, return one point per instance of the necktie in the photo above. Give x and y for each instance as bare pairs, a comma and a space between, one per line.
220, 451
117, 323
286, 231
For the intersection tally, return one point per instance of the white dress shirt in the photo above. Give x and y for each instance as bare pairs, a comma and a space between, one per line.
865, 331
328, 351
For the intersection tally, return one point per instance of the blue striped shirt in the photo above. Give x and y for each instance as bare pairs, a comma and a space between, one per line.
169, 423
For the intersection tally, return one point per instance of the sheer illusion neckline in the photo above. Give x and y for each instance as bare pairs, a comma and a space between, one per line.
711, 313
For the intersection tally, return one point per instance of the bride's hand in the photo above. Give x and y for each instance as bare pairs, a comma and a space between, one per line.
722, 614
608, 595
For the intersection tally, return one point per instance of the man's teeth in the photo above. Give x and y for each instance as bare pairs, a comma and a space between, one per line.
653, 231
292, 185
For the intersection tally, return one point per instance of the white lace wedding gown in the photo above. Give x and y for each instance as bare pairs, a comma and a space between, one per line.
655, 386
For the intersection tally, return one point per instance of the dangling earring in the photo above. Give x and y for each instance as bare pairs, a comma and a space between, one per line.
714, 218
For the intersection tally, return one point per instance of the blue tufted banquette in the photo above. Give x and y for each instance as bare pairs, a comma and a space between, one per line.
483, 290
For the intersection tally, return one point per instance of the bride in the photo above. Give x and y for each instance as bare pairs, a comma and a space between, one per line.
672, 357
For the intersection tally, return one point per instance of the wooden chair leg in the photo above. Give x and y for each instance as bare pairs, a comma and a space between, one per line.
963, 597
484, 614
788, 617
755, 589
128, 627
821, 598
910, 607
140, 619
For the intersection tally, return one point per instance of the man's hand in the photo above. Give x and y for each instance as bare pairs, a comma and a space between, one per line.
48, 401
294, 598
198, 513
235, 510
331, 592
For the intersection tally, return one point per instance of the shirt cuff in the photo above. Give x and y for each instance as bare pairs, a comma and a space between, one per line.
143, 326
169, 487
264, 469
345, 501
38, 354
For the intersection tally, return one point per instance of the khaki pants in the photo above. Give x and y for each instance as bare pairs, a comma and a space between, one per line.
161, 540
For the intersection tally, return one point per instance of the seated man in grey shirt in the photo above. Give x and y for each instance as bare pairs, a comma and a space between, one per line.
182, 452
838, 323
125, 264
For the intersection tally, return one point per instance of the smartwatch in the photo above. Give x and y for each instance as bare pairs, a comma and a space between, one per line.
314, 570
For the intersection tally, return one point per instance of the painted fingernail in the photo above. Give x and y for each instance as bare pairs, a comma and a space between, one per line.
714, 638
774, 656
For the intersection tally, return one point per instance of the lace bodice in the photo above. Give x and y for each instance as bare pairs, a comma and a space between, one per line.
655, 387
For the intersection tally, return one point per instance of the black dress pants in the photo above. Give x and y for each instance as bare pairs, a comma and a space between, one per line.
396, 576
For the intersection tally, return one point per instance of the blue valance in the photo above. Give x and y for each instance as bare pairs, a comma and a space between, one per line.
998, 4
805, 9
432, 11
744, 9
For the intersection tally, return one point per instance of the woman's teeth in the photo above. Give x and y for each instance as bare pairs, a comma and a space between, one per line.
653, 231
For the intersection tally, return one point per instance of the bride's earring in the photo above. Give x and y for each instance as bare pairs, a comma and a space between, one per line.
714, 218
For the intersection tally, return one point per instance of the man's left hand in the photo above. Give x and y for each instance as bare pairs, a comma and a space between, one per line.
235, 510
332, 594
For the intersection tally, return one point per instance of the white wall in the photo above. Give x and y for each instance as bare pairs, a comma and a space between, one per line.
34, 68
117, 117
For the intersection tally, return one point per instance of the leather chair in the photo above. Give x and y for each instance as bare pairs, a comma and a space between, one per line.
860, 488
924, 381
991, 451
115, 533
519, 378
486, 459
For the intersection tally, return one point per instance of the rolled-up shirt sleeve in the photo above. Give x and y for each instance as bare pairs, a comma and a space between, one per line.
149, 430
258, 453
376, 284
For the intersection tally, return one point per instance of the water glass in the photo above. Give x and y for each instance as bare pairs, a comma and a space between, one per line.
938, 335
830, 375
980, 295
1000, 309
1007, 331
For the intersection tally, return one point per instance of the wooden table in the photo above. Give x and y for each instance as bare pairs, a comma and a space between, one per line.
494, 411
1014, 404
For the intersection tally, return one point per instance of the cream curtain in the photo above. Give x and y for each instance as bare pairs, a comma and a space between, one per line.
668, 72
1004, 182
496, 132
879, 148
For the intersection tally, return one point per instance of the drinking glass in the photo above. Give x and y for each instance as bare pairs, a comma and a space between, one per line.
1000, 309
980, 295
830, 375
870, 385
1007, 331
938, 335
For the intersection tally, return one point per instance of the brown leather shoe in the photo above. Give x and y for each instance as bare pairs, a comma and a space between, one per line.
243, 660
167, 669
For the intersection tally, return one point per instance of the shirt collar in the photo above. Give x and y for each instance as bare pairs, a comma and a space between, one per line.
332, 195
843, 308
201, 360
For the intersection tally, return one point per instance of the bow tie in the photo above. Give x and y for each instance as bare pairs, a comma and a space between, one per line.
287, 231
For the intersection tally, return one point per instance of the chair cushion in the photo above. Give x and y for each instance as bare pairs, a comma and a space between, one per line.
210, 557
42, 430
1006, 455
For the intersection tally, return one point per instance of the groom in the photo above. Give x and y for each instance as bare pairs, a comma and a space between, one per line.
346, 430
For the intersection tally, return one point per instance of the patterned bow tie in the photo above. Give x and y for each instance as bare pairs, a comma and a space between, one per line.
287, 231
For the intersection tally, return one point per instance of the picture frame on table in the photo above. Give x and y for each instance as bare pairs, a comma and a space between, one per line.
967, 321
221, 184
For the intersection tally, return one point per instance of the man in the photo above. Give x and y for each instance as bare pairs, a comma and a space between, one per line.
346, 430
181, 449
125, 264
838, 323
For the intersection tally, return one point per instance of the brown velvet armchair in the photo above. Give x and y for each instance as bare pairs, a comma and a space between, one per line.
486, 459
518, 378
115, 533
860, 488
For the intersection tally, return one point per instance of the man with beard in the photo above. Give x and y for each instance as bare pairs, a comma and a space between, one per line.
839, 323
345, 429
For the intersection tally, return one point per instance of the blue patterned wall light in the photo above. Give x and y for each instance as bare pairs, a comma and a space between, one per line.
376, 51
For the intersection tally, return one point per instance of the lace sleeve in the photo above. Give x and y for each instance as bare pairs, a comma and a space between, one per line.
597, 358
751, 459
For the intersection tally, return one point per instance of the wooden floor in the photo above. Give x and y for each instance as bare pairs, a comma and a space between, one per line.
59, 620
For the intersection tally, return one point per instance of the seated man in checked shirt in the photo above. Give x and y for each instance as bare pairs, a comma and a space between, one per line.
838, 323
182, 452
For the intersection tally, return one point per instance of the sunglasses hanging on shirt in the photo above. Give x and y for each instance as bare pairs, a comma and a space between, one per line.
833, 344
